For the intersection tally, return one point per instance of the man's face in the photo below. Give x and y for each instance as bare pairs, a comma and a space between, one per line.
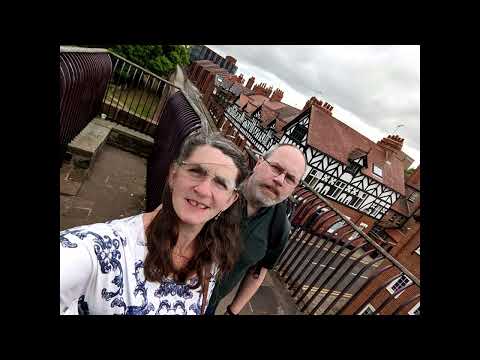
269, 189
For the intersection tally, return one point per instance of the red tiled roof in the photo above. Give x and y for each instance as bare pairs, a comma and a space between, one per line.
337, 139
284, 113
396, 235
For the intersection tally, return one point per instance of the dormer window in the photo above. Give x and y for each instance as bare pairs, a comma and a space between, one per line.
299, 133
377, 170
413, 197
352, 168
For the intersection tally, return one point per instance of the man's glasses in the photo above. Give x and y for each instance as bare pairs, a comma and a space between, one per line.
277, 170
200, 171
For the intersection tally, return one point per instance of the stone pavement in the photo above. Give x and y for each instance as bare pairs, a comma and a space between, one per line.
115, 188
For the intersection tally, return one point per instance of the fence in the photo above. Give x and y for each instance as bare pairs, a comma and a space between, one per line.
135, 97
339, 272
84, 74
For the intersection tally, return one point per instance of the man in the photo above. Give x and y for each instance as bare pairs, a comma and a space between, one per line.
274, 178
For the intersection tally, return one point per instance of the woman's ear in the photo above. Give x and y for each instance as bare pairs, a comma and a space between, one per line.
171, 174
232, 200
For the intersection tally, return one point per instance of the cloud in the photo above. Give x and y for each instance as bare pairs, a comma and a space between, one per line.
375, 87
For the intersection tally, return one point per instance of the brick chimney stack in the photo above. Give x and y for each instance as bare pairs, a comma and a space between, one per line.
230, 60
324, 106
269, 91
392, 142
277, 95
261, 89
250, 83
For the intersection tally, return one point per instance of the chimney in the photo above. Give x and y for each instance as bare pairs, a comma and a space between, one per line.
230, 60
269, 91
277, 95
250, 83
261, 89
391, 142
315, 102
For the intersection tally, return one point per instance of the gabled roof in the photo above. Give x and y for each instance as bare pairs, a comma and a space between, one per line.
270, 110
338, 140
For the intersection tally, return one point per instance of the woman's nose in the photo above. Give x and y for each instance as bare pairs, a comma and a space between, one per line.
204, 187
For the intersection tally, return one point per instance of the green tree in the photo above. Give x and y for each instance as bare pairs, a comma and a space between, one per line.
159, 59
409, 172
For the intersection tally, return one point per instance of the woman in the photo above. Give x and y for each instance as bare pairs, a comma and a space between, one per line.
165, 261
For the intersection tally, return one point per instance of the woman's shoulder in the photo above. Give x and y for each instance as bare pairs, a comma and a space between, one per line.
118, 230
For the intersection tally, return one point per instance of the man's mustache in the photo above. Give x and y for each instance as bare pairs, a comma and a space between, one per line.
272, 189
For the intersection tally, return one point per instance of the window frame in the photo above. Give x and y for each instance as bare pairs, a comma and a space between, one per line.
314, 177
338, 189
374, 167
413, 197
394, 282
356, 235
365, 308
297, 129
414, 308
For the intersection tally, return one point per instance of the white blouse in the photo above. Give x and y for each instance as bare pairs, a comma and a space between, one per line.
101, 273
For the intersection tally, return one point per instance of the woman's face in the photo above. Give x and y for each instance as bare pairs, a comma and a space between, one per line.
203, 185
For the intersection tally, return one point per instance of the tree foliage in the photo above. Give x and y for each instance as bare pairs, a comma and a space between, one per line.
159, 59
409, 172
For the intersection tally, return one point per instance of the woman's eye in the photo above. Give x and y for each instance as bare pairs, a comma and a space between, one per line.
221, 184
196, 171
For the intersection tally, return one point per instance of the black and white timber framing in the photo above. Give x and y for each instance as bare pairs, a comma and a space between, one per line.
324, 173
250, 127
328, 176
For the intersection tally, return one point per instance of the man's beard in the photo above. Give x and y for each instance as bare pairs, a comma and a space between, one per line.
257, 198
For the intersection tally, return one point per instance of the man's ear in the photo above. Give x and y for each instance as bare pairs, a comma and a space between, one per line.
258, 163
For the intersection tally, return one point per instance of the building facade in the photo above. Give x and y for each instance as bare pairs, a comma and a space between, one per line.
202, 52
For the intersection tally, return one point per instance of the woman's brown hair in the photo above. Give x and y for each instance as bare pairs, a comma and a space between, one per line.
219, 240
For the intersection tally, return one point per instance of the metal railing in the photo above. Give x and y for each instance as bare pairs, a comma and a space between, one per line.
337, 272
135, 97
98, 81
83, 74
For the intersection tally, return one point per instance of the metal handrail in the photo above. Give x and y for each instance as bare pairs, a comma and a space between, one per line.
372, 242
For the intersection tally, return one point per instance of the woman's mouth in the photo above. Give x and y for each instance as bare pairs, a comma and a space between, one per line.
197, 204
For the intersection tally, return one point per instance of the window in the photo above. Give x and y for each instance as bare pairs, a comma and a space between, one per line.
399, 284
355, 234
313, 177
298, 133
337, 226
352, 168
415, 310
367, 310
377, 170
357, 199
336, 189
397, 219
374, 209
418, 250
413, 196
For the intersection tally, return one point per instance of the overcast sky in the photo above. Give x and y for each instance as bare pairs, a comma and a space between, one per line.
373, 88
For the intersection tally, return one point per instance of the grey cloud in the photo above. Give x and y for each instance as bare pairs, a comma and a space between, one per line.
379, 84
